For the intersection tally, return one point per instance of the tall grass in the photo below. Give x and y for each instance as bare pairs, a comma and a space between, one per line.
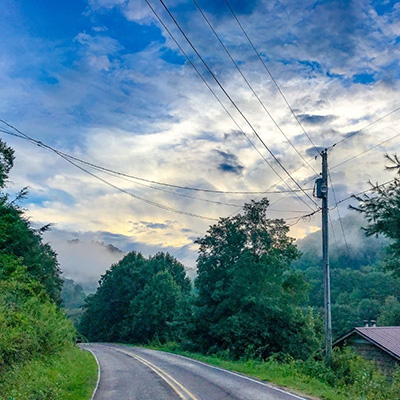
70, 374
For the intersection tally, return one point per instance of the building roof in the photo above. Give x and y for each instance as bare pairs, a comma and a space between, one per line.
385, 337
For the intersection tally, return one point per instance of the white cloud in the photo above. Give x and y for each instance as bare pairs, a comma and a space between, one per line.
139, 114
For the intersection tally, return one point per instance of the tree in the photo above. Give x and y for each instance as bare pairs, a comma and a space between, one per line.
383, 213
6, 162
19, 240
390, 315
153, 310
249, 299
137, 300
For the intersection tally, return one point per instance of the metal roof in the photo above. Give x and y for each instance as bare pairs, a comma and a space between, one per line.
385, 337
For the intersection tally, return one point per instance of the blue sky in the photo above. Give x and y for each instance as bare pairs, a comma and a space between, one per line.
102, 80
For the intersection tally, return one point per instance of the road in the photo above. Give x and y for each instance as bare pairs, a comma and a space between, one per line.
132, 373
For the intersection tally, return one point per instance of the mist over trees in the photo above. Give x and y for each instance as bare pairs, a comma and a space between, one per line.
257, 292
382, 211
360, 284
247, 300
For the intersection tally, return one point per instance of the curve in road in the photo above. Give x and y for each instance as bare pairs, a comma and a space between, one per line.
132, 373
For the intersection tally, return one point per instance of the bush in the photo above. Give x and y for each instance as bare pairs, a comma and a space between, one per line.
30, 323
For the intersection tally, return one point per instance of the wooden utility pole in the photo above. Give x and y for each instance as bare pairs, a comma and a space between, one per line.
322, 193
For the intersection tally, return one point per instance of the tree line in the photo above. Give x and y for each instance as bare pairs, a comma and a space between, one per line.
253, 296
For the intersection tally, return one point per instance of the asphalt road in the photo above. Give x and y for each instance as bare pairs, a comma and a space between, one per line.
131, 373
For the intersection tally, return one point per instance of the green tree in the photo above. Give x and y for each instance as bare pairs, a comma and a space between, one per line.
249, 299
382, 212
390, 315
137, 300
153, 310
6, 162
20, 240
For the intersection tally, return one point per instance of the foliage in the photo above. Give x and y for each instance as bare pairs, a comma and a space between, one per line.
66, 375
31, 324
390, 315
359, 283
137, 300
350, 377
72, 294
73, 298
19, 239
248, 300
382, 212
6, 162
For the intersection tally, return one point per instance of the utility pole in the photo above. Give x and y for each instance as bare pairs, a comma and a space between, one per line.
322, 193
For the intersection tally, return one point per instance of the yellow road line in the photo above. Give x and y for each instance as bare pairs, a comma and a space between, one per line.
175, 385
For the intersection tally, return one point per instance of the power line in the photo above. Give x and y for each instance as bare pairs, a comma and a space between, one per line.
350, 135
217, 98
99, 167
68, 158
248, 83
296, 220
344, 162
236, 107
360, 193
333, 232
365, 151
147, 201
339, 216
271, 76
193, 197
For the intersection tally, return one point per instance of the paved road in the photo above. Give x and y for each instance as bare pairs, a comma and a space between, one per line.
131, 373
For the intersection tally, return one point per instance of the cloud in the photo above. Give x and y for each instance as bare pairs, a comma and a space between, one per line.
152, 225
112, 88
230, 163
316, 119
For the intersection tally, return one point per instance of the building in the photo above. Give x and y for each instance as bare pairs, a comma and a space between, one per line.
376, 343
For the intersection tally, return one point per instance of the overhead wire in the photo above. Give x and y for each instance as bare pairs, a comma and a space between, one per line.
339, 215
271, 76
333, 232
360, 193
147, 201
350, 135
365, 151
235, 106
102, 168
249, 84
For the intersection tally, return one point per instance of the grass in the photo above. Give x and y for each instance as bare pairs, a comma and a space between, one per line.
288, 376
68, 375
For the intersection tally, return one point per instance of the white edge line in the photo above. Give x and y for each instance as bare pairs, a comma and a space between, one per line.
233, 373
98, 372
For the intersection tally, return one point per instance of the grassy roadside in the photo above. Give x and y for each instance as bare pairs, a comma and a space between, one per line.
287, 376
67, 375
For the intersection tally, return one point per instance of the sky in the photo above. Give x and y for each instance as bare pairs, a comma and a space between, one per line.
102, 80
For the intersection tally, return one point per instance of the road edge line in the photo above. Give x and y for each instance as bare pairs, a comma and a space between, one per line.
160, 373
234, 373
190, 394
98, 372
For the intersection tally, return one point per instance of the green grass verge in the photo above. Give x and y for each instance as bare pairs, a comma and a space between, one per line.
284, 375
68, 375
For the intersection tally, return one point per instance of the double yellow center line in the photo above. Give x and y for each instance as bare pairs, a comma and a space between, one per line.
178, 388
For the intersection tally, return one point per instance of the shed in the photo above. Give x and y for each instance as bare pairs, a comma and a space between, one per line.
376, 343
